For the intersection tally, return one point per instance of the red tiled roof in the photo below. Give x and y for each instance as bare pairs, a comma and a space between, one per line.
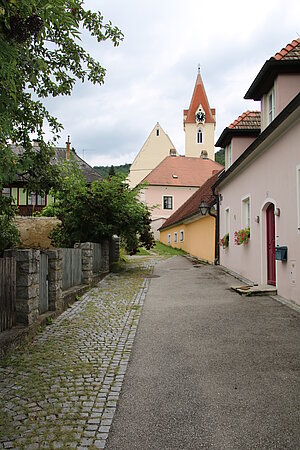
285, 61
199, 97
182, 171
247, 124
191, 206
247, 120
290, 51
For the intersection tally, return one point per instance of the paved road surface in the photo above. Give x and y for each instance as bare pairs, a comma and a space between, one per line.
209, 369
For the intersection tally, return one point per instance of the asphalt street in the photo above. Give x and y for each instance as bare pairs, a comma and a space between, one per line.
209, 369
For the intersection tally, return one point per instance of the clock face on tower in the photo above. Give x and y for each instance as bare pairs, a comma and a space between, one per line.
200, 116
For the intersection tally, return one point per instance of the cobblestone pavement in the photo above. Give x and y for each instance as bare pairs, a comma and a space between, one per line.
62, 390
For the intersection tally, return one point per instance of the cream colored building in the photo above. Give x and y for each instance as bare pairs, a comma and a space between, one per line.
199, 124
156, 148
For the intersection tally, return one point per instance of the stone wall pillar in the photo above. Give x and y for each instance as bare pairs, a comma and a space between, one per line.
55, 300
87, 250
27, 286
105, 256
114, 249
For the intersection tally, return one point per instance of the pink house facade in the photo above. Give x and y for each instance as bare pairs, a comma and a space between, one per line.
260, 187
172, 182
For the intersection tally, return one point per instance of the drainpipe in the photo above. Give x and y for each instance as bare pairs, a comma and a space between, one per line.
217, 229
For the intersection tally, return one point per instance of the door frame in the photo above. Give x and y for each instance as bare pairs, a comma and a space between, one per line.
263, 234
270, 255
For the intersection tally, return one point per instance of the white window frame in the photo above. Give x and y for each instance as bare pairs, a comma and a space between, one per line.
227, 220
228, 155
31, 198
270, 106
298, 195
175, 237
200, 132
163, 202
246, 211
169, 238
181, 236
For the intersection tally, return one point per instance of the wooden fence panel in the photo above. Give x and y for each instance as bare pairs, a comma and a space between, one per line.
97, 258
72, 267
7, 293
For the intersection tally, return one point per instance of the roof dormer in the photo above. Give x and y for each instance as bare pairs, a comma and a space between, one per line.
239, 135
277, 83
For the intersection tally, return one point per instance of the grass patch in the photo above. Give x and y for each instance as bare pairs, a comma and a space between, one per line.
166, 250
143, 251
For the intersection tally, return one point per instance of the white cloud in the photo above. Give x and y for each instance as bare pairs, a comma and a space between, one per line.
151, 75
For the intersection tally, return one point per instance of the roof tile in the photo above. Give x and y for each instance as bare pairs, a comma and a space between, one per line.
199, 97
191, 206
289, 52
247, 120
189, 171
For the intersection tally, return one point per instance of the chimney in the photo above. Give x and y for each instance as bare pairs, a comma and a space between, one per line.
68, 149
172, 152
215, 171
204, 154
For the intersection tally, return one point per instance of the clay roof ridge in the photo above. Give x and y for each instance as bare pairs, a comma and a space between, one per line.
287, 49
241, 118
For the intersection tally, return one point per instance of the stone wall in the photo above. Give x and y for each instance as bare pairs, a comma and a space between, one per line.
27, 284
35, 231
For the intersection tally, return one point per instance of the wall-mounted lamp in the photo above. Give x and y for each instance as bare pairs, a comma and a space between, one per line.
204, 208
277, 212
256, 219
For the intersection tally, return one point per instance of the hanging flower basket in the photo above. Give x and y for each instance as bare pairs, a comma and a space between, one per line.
224, 242
242, 236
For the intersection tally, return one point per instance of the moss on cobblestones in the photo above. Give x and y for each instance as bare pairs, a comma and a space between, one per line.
57, 390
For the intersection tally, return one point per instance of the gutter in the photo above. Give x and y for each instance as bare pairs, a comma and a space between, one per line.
217, 228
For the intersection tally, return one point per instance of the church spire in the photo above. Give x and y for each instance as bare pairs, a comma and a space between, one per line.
199, 97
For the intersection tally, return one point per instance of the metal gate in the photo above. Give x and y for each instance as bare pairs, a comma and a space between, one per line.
43, 297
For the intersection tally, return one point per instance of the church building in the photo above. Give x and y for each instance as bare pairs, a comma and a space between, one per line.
171, 178
199, 124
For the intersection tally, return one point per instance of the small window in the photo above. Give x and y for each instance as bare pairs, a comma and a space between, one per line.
227, 224
270, 107
41, 201
246, 212
157, 132
175, 237
199, 136
181, 235
228, 156
6, 192
168, 202
31, 199
169, 239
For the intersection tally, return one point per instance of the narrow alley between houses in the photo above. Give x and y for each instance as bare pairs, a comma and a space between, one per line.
160, 359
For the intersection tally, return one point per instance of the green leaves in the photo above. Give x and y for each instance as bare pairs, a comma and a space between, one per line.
96, 212
41, 55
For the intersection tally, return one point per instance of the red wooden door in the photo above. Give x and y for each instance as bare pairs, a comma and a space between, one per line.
271, 273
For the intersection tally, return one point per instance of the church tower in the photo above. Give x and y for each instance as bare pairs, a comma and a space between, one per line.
199, 124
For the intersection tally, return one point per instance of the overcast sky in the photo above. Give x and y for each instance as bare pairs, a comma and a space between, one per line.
151, 75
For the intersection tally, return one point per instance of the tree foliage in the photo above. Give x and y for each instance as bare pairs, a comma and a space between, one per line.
104, 170
40, 56
98, 211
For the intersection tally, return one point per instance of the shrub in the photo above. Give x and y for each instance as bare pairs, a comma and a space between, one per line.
9, 234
